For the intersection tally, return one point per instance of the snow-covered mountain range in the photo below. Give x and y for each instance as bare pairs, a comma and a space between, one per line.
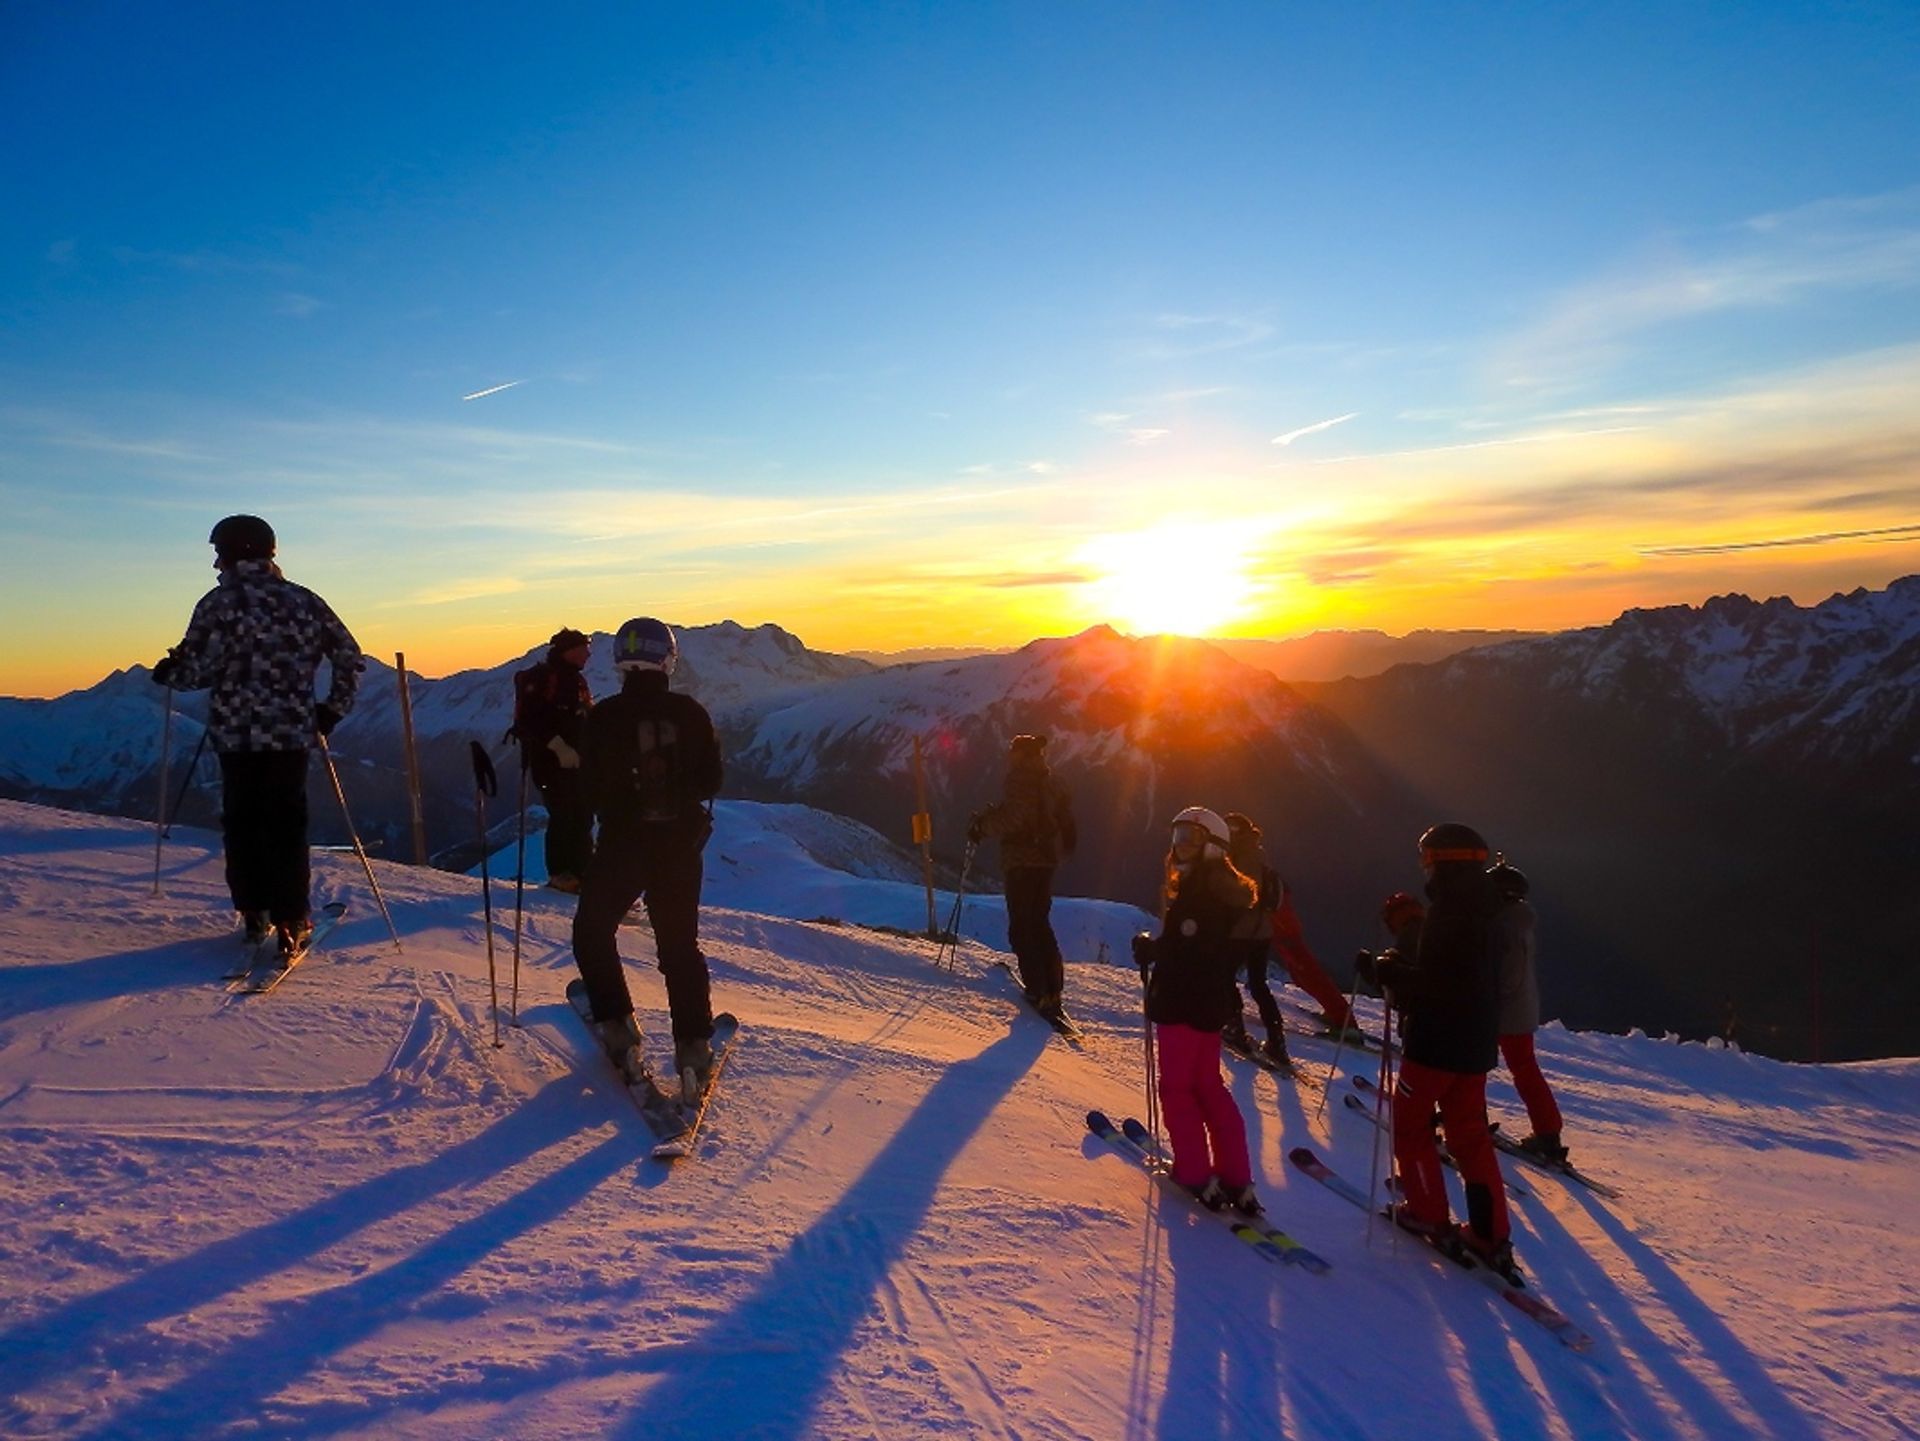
1723, 802
1717, 802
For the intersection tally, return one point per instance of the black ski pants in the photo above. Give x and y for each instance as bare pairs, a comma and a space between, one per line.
263, 820
665, 872
569, 815
1030, 930
1257, 954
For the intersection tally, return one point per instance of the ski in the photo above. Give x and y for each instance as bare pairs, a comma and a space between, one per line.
251, 954
1354, 1103
1292, 1070
661, 1112
694, 1110
1558, 1168
268, 969
1059, 1020
1270, 1241
1523, 1301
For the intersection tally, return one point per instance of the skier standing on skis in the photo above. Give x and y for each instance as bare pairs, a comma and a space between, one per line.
1513, 930
1253, 941
652, 765
1034, 824
257, 641
1448, 994
550, 705
1191, 995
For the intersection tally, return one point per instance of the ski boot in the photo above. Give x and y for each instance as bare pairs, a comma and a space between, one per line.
1051, 1007
1496, 1256
259, 924
1208, 1193
1244, 1201
1439, 1233
564, 883
693, 1063
293, 937
1274, 1048
620, 1037
1234, 1036
1545, 1148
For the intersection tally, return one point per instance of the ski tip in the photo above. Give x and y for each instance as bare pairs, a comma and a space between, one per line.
1097, 1122
1303, 1156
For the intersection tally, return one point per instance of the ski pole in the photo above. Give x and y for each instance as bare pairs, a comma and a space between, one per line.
160, 801
950, 942
186, 782
1340, 1045
486, 783
519, 885
1152, 1057
1382, 1106
359, 850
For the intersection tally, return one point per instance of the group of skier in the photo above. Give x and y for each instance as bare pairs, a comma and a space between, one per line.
645, 765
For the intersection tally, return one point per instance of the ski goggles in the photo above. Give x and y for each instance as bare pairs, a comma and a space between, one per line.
1190, 835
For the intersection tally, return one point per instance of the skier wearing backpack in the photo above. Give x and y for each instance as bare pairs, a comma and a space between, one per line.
1447, 992
651, 765
257, 641
550, 705
1034, 824
1253, 941
1191, 995
1513, 924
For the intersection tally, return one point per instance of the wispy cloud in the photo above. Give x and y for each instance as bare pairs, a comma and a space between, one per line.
1183, 336
1765, 262
492, 390
1828, 537
298, 306
1289, 437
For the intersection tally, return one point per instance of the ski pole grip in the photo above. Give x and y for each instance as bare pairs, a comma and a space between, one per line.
484, 780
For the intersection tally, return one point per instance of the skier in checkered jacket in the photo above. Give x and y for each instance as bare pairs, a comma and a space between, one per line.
256, 640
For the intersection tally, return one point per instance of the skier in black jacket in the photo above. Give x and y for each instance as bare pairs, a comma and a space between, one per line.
1448, 995
258, 640
652, 763
550, 705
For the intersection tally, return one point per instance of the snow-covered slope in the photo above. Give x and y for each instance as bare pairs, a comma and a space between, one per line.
340, 1210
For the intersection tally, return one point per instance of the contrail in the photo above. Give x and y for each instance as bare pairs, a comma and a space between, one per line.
495, 390
1291, 436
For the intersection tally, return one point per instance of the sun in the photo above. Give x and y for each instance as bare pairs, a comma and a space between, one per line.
1175, 578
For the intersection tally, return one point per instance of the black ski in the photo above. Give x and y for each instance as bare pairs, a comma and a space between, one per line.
661, 1112
1291, 1069
1059, 1020
1522, 1300
270, 968
693, 1110
1559, 1168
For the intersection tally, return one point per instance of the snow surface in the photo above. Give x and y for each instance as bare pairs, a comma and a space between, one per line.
339, 1210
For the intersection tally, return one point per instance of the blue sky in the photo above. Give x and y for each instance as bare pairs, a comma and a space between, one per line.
896, 324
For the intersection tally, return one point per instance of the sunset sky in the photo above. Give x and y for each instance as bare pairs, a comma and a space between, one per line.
906, 325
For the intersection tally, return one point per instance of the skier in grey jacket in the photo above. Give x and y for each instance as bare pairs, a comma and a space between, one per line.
256, 640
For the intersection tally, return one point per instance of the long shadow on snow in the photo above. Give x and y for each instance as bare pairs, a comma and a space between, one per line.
1774, 1411
46, 985
1330, 1393
819, 1292
93, 1329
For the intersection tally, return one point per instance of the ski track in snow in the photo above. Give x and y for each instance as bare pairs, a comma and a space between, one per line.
340, 1210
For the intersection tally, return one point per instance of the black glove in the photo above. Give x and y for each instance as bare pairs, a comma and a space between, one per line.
325, 718
1363, 966
164, 670
1143, 949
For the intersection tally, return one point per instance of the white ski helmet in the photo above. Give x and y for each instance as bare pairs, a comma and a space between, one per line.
1205, 823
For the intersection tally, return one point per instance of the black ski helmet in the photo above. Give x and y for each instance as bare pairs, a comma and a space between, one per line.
644, 643
242, 537
1451, 841
1507, 879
